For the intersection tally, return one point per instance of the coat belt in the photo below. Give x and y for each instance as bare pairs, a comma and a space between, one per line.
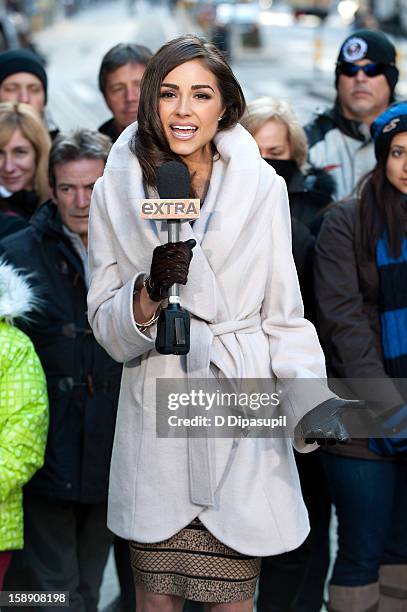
201, 451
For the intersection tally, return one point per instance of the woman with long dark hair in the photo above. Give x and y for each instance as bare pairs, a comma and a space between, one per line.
361, 290
199, 512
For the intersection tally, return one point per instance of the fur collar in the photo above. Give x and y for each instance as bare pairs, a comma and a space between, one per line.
17, 297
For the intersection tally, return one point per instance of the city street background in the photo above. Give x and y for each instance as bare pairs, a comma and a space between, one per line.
295, 63
284, 67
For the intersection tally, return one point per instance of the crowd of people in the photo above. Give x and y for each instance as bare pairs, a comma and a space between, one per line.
345, 174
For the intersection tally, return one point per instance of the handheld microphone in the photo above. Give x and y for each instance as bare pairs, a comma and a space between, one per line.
174, 204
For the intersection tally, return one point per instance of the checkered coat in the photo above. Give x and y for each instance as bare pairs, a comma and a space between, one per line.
23, 407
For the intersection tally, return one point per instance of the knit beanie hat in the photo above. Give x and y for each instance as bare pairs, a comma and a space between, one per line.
391, 122
22, 60
372, 45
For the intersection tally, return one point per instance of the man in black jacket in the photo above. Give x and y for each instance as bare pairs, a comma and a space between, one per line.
120, 76
66, 538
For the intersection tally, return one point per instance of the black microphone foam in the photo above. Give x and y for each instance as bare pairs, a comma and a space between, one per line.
173, 181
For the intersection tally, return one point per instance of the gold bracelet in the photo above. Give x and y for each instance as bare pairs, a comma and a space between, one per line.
143, 326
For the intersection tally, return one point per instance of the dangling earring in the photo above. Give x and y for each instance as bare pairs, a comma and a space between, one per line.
219, 118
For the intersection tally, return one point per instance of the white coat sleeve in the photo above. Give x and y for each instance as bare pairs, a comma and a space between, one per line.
296, 356
110, 300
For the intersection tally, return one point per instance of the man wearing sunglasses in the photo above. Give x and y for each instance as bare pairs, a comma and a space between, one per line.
365, 79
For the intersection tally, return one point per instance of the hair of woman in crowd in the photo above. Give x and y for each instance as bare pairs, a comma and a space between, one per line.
23, 117
264, 109
381, 207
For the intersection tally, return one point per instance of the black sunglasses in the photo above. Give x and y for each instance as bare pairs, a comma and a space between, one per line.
370, 70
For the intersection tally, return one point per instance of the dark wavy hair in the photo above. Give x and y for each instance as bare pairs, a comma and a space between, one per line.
381, 207
149, 144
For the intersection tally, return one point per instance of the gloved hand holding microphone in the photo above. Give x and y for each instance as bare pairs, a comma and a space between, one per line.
170, 265
170, 261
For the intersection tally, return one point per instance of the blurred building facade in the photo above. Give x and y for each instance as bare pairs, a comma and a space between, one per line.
391, 15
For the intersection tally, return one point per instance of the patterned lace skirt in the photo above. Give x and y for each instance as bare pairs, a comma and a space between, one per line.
194, 565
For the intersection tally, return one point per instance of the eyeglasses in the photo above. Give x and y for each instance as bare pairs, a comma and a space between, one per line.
370, 70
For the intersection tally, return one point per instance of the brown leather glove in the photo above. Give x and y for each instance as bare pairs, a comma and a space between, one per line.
170, 264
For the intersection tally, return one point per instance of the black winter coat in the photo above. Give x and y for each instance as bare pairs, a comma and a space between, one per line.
308, 194
109, 129
303, 244
83, 381
16, 211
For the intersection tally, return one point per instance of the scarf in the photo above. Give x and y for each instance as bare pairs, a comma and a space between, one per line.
81, 250
393, 307
284, 167
393, 329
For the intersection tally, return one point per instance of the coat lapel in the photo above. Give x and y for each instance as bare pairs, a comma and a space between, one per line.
229, 204
227, 211
231, 199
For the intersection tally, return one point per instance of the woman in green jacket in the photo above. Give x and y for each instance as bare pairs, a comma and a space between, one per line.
23, 410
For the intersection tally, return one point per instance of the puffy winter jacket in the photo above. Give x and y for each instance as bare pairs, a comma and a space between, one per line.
23, 407
341, 147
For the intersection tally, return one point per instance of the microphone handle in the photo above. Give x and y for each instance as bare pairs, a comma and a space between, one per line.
173, 236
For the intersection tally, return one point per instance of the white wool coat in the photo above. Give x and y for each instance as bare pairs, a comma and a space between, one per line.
246, 319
